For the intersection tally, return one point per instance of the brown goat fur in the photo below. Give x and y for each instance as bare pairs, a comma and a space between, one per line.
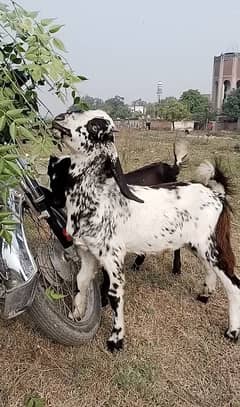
226, 258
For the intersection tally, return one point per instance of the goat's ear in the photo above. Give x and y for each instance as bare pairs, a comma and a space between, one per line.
52, 161
117, 172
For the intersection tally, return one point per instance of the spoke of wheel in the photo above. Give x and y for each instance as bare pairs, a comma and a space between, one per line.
42, 243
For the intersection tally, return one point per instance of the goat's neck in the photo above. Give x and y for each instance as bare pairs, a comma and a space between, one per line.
89, 165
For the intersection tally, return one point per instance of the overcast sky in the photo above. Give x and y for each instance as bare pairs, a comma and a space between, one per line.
125, 47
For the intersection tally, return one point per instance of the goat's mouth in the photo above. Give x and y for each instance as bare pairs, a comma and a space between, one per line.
61, 130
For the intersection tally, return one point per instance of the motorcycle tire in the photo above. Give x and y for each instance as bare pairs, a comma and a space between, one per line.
61, 329
56, 287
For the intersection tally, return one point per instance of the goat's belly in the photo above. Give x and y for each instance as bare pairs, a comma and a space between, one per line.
154, 242
168, 231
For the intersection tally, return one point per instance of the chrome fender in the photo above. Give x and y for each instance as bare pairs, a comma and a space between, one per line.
18, 269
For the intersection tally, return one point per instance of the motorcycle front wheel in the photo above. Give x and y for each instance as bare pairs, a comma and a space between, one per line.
53, 303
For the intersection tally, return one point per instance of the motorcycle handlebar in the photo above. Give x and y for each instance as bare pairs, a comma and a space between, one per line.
31, 187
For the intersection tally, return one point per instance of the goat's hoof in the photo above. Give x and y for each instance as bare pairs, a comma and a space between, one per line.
104, 301
115, 346
135, 267
176, 271
203, 298
232, 335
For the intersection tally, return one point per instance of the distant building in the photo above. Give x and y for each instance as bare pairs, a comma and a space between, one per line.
226, 77
138, 106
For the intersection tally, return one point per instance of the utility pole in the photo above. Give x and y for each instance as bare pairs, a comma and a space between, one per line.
159, 92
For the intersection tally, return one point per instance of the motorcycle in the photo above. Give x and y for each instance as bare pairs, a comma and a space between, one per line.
38, 270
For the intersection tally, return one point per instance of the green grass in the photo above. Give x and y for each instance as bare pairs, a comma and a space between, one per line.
175, 352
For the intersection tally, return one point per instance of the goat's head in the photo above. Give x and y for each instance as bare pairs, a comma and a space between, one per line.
93, 130
82, 131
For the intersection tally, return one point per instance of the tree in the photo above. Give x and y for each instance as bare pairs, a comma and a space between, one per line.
92, 102
116, 108
231, 106
151, 109
30, 57
197, 104
173, 110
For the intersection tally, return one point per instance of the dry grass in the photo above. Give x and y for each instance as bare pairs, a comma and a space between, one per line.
175, 352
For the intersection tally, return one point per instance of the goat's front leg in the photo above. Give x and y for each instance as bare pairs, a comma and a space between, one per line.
84, 278
114, 268
104, 288
176, 262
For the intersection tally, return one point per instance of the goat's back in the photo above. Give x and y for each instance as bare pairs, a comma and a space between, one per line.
153, 174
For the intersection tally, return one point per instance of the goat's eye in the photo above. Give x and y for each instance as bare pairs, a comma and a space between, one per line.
78, 129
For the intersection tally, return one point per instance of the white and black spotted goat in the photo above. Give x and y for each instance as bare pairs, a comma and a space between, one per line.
152, 175
107, 218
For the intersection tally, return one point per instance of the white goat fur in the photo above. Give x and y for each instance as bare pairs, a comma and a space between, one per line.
105, 225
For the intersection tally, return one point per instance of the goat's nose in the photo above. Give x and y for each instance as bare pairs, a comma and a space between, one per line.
60, 117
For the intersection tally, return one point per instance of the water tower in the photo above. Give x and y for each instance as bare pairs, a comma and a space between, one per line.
159, 90
226, 77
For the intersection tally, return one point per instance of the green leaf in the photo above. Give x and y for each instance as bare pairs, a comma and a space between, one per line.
13, 168
32, 14
9, 93
6, 236
26, 133
59, 44
2, 122
4, 215
14, 112
53, 295
15, 59
77, 100
20, 48
82, 78
9, 222
30, 57
3, 7
1, 57
35, 402
5, 102
11, 228
4, 196
1, 166
36, 73
13, 131
22, 120
8, 147
55, 28
47, 21
44, 38
10, 157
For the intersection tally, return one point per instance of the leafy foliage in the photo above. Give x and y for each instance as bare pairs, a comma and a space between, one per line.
29, 59
35, 402
53, 295
173, 110
197, 104
116, 108
93, 103
231, 106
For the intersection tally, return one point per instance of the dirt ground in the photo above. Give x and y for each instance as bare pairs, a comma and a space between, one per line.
175, 353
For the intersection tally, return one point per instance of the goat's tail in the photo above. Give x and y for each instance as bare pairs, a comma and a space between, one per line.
180, 151
213, 176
